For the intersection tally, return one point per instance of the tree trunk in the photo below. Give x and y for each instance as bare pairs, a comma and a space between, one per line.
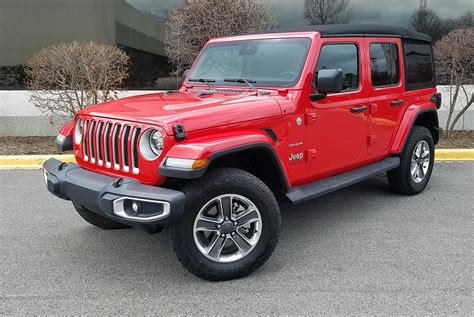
469, 103
451, 110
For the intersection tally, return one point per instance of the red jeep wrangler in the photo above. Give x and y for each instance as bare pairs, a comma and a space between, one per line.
293, 114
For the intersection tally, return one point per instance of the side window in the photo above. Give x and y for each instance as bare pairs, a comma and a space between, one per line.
418, 63
341, 56
384, 64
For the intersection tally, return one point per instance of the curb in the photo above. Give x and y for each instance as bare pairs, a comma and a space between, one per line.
36, 161
454, 155
30, 161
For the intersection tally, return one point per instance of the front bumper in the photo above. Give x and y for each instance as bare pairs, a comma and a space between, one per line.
113, 197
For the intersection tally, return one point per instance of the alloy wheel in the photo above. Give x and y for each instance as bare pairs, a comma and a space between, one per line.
420, 161
227, 228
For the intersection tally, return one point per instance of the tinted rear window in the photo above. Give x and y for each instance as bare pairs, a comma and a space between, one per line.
384, 65
418, 63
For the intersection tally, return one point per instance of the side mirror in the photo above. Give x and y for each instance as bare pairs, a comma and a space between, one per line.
329, 80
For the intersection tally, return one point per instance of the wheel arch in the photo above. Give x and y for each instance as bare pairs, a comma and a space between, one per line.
259, 159
425, 116
256, 156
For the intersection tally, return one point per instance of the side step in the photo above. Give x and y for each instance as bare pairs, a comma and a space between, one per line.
306, 192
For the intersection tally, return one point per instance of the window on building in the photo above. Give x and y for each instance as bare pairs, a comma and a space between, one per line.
341, 56
418, 63
384, 64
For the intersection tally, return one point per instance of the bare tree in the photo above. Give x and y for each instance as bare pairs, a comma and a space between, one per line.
327, 11
425, 20
67, 77
454, 55
191, 26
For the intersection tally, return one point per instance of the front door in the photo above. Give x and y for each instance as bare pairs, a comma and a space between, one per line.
336, 126
386, 93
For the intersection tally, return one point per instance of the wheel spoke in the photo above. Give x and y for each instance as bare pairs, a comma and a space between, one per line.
241, 242
216, 246
419, 149
206, 225
422, 172
415, 152
417, 172
247, 218
225, 206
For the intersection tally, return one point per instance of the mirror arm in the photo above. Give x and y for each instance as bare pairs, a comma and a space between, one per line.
317, 96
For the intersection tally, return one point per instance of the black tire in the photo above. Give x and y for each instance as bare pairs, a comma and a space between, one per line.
218, 182
97, 220
400, 179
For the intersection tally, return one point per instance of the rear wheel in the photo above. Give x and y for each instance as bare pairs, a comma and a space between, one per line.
98, 220
416, 163
230, 226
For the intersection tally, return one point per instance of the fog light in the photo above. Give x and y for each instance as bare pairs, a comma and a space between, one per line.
141, 209
131, 207
135, 207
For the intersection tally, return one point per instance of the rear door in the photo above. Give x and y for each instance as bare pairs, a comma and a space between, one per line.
386, 103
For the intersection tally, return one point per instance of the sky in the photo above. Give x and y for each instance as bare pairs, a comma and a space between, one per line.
290, 12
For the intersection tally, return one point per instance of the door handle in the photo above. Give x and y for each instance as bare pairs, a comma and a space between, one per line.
397, 102
358, 109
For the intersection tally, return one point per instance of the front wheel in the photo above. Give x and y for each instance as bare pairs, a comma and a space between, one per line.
230, 226
416, 163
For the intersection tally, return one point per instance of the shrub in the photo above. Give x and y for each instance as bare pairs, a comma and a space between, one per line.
67, 77
454, 55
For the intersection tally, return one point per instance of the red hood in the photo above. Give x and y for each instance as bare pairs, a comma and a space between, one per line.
192, 111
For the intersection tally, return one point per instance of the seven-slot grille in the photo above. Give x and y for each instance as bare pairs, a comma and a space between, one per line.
113, 145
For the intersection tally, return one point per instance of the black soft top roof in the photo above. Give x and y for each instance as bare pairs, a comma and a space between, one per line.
335, 30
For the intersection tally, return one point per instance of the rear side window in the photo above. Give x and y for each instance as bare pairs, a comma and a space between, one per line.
419, 70
384, 64
341, 56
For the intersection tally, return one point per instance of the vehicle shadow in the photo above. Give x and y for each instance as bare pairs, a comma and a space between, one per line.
131, 254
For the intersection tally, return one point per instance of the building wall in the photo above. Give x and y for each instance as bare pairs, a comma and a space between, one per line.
27, 26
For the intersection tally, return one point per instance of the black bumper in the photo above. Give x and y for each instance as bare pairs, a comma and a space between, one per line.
112, 197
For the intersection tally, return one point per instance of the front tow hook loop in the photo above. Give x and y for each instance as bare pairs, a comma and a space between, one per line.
118, 183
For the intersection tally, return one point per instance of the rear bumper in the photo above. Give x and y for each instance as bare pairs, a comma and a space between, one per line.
113, 197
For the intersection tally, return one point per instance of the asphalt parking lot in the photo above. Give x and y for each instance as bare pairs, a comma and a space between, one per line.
359, 250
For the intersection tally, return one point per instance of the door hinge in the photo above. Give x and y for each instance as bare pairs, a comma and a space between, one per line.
310, 118
311, 154
374, 108
371, 139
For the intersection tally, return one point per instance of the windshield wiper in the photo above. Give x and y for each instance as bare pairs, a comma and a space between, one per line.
243, 81
204, 80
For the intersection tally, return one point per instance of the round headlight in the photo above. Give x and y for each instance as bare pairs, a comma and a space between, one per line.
157, 142
78, 131
152, 143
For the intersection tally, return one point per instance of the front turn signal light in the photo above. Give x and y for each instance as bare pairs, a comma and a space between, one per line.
185, 163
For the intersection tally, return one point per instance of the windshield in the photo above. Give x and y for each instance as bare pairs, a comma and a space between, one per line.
276, 62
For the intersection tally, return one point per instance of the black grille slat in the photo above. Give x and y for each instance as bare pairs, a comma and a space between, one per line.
84, 139
125, 136
136, 135
107, 133
91, 141
116, 144
98, 138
